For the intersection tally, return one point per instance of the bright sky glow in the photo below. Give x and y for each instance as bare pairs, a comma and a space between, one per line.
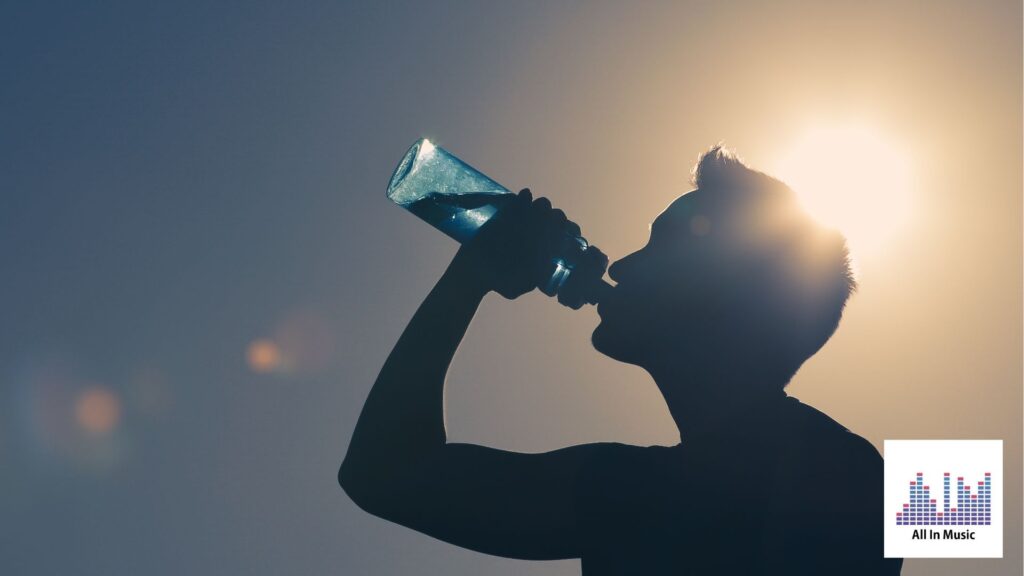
853, 179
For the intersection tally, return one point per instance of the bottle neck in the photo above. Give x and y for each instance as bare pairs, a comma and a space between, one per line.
576, 278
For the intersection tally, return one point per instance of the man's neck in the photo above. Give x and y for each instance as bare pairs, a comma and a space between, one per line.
707, 404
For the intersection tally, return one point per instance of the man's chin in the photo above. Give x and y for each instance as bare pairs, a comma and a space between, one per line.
611, 344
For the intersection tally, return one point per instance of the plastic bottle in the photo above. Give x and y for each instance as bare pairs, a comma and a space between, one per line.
457, 199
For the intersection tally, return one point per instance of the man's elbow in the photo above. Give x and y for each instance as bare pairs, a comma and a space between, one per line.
374, 492
353, 480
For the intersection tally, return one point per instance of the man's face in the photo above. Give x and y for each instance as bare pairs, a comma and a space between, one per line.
664, 293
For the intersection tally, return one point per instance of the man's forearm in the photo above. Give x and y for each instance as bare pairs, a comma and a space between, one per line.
403, 418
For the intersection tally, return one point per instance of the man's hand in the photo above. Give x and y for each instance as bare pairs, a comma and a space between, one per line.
512, 253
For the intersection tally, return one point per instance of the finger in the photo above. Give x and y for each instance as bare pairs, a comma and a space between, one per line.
597, 261
541, 204
573, 229
510, 216
555, 225
558, 217
519, 206
540, 212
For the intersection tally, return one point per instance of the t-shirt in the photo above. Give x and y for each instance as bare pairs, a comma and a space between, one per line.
787, 491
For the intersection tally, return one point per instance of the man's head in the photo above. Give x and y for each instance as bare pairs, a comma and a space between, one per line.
736, 279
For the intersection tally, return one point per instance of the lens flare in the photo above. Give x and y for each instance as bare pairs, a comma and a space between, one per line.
97, 411
264, 356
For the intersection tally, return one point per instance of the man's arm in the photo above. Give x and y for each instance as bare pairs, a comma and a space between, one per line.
399, 465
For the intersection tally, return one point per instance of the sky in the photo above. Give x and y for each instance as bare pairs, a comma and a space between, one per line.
201, 275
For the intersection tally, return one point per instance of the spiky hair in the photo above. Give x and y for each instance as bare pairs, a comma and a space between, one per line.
815, 259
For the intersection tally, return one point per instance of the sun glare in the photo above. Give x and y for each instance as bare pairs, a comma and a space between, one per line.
852, 179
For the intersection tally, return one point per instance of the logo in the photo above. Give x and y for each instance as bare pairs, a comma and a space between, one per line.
943, 498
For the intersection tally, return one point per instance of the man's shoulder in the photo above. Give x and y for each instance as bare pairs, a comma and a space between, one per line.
610, 457
830, 443
806, 438
615, 468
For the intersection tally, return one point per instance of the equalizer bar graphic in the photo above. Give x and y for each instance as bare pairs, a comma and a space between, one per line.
970, 509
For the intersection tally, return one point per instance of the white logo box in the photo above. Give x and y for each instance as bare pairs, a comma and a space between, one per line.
939, 518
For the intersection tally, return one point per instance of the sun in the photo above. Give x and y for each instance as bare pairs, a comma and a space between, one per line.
854, 179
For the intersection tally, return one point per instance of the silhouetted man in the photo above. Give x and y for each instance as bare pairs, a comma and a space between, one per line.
736, 288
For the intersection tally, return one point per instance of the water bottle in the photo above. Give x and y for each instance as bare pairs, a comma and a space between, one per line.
457, 199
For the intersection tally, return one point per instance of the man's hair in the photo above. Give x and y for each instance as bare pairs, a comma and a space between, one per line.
804, 273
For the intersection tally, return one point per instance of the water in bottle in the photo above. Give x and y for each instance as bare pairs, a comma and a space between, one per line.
457, 199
